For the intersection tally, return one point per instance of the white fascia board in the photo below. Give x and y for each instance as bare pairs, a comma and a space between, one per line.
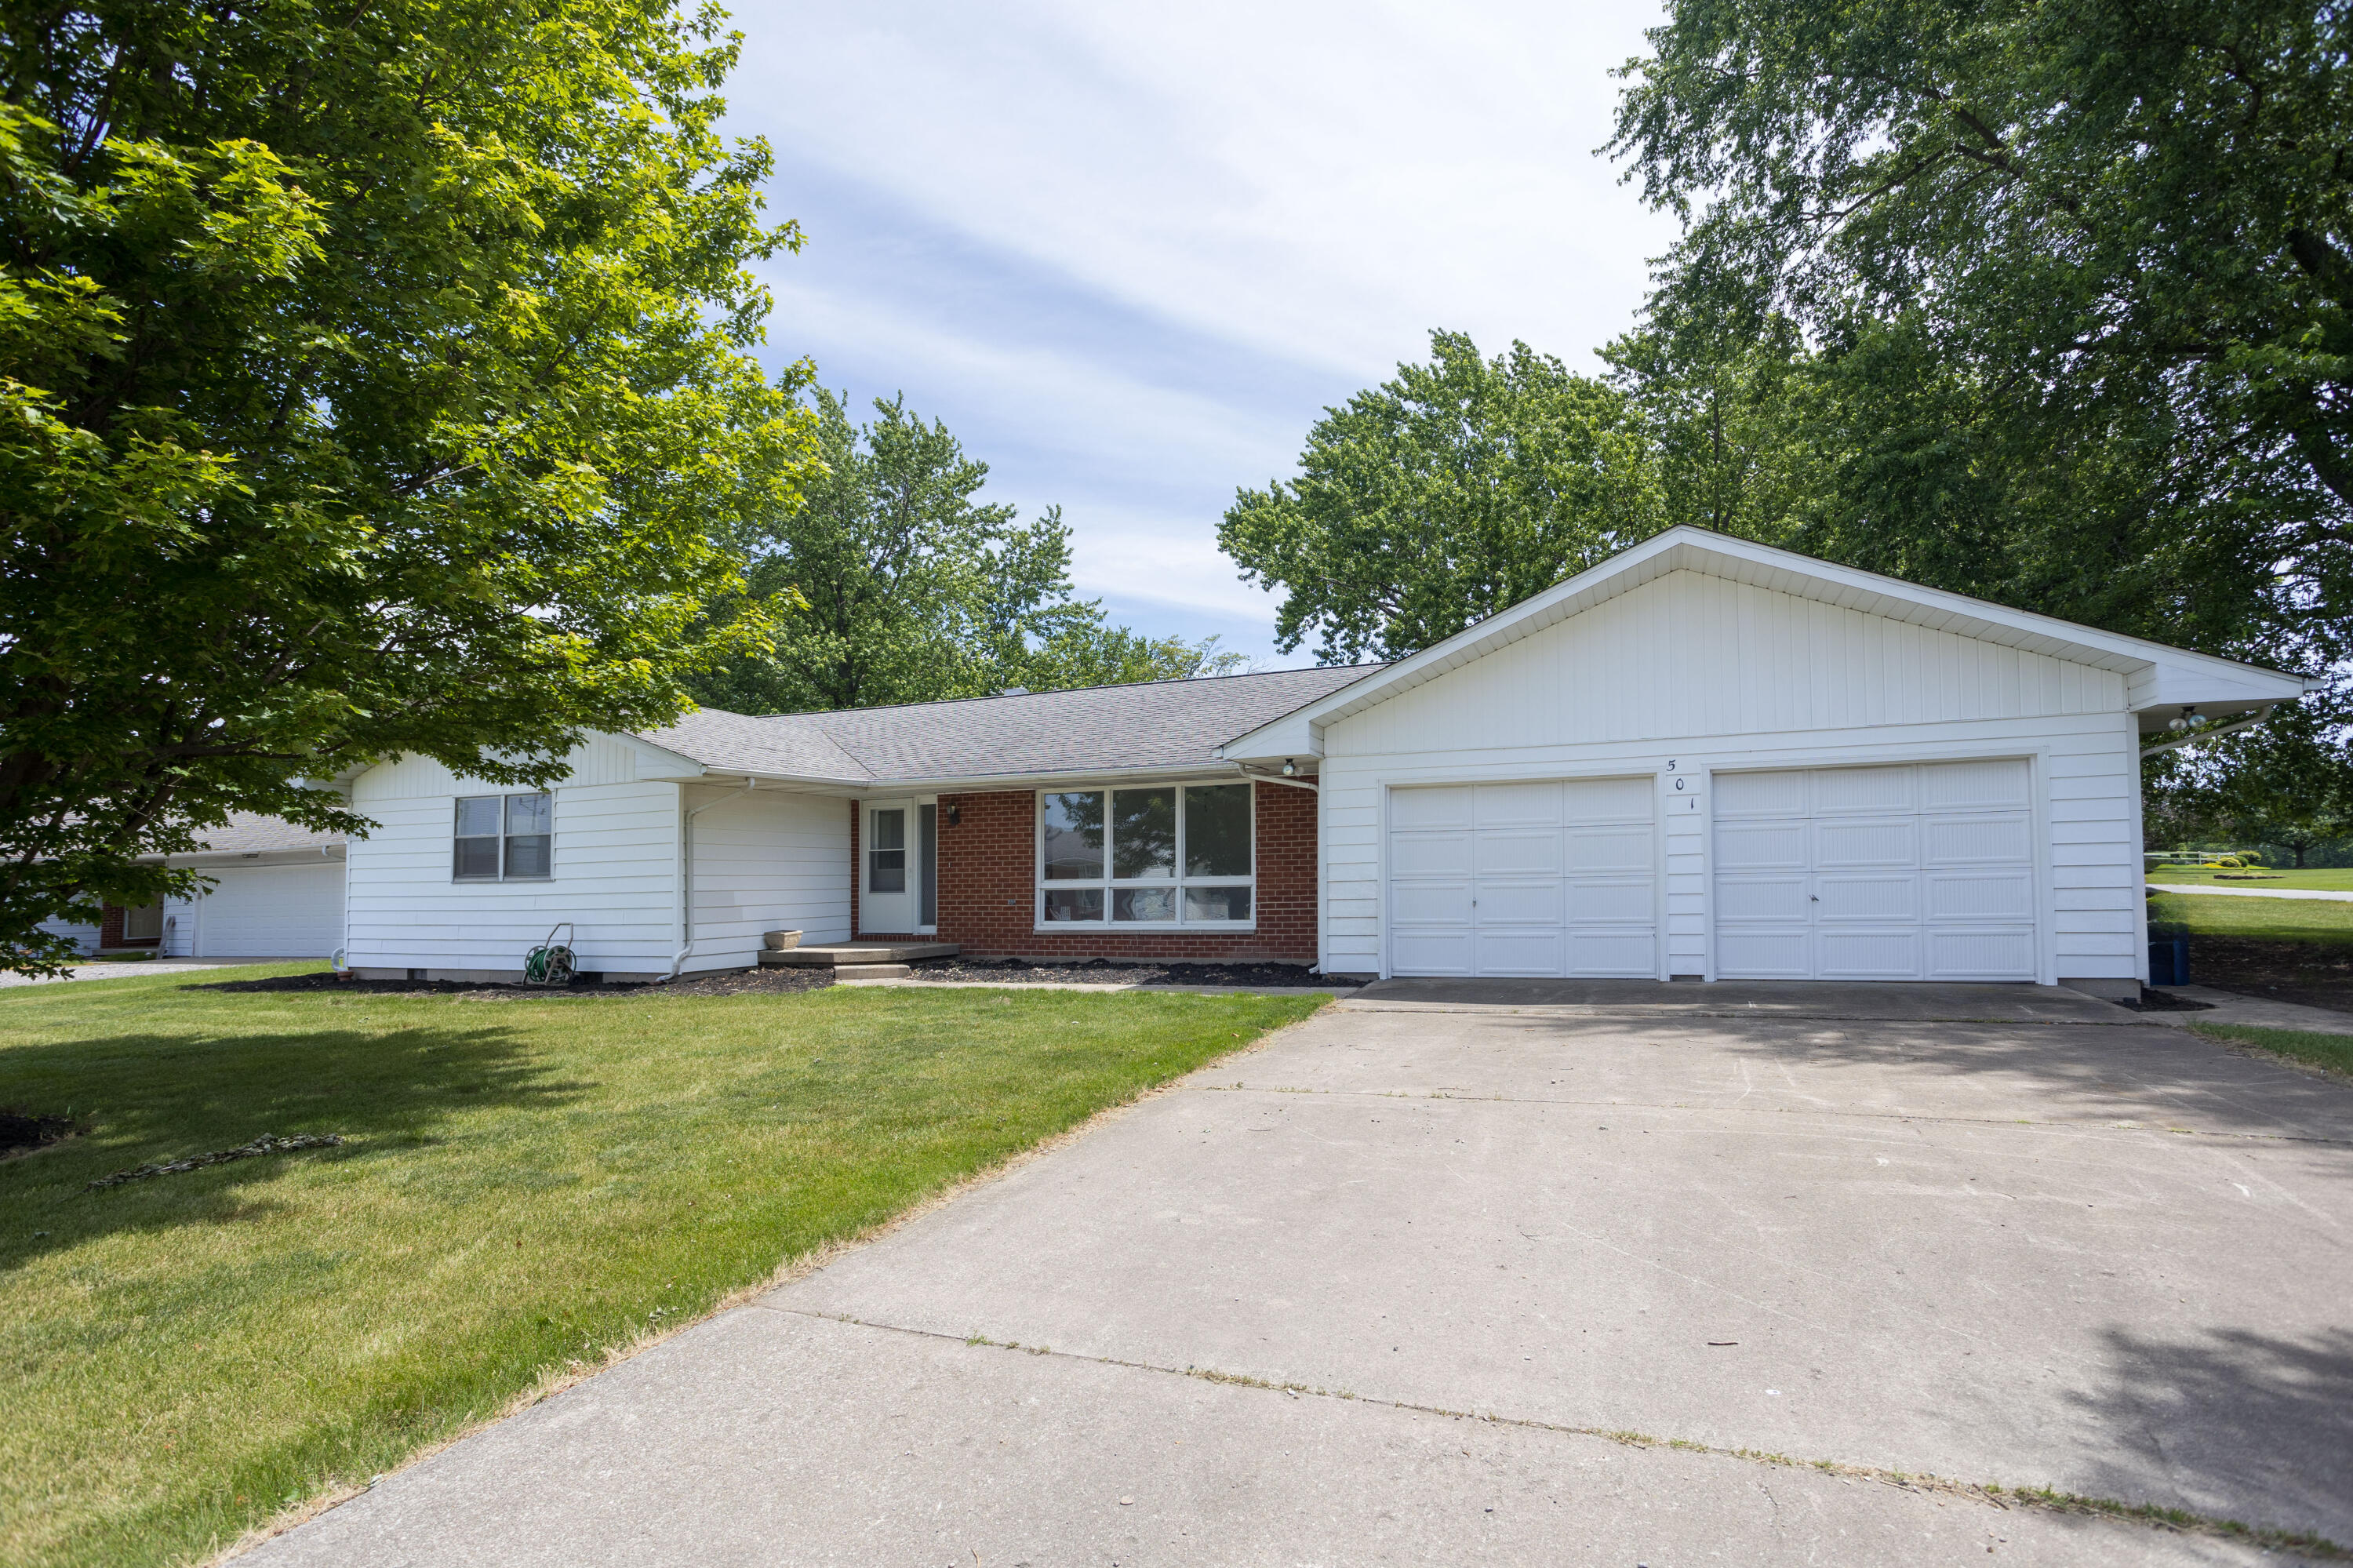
1292, 736
1687, 548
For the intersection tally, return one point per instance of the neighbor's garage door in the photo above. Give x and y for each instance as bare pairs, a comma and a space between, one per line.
272, 912
1915, 872
1525, 879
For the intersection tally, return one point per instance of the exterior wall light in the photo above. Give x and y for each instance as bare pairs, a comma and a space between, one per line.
2189, 719
1290, 769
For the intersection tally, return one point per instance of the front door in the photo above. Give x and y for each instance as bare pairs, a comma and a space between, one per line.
897, 887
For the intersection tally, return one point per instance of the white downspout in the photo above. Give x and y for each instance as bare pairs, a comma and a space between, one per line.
686, 868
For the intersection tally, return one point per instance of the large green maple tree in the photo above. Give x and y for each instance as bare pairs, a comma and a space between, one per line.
373, 380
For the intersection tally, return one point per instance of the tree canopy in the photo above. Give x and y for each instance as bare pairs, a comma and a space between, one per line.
1434, 500
2068, 283
371, 381
911, 589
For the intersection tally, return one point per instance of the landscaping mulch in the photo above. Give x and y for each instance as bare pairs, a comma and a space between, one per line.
2316, 974
2151, 1000
775, 981
21, 1133
1103, 972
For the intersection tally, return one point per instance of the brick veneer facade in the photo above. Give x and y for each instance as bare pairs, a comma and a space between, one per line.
987, 872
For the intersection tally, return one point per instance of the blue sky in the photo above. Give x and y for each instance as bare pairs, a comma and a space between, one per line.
1129, 253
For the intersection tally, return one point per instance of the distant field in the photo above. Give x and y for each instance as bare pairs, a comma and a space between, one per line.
2338, 879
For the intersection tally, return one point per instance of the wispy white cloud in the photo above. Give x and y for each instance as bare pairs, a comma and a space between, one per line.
1129, 251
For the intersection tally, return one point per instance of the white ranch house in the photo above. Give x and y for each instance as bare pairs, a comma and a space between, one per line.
1703, 759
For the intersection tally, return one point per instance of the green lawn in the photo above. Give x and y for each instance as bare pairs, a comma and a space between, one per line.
2333, 1051
2273, 919
2336, 879
526, 1184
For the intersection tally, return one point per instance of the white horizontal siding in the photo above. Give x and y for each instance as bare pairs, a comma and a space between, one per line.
614, 878
764, 862
598, 759
83, 936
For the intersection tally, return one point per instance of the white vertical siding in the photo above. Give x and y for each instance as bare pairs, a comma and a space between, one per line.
1712, 674
1689, 655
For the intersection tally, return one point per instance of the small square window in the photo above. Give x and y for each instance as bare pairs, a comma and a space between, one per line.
510, 836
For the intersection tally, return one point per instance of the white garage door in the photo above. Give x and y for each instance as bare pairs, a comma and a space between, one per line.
1915, 872
272, 912
1557, 878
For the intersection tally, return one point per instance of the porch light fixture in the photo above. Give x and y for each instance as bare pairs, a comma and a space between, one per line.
1290, 769
2189, 719
955, 815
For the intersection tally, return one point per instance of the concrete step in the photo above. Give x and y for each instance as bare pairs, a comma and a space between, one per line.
836, 955
871, 972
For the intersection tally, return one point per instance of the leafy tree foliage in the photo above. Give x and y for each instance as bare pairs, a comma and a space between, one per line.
2280, 785
370, 382
2073, 281
912, 590
1438, 498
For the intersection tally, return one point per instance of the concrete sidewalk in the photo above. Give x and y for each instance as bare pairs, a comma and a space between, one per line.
1384, 1290
2201, 889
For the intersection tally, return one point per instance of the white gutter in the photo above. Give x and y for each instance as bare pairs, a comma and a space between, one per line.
686, 868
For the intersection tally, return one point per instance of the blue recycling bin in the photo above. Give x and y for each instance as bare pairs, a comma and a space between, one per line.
2168, 960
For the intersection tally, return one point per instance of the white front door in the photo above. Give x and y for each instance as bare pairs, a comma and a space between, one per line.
1557, 878
887, 879
1923, 872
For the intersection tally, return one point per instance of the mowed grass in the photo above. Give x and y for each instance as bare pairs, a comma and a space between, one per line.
2334, 879
2333, 1051
2270, 919
526, 1185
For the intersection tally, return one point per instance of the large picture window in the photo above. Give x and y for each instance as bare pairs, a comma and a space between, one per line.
1161, 855
503, 837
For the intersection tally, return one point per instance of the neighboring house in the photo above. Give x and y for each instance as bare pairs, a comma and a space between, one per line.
1703, 758
276, 891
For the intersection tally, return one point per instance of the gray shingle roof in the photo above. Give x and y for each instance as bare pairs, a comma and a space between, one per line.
246, 832
1106, 730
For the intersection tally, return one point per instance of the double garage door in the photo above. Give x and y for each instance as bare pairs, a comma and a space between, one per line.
1921, 872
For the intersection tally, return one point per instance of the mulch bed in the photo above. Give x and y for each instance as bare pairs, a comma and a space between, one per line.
2165, 1002
775, 981
21, 1133
2317, 974
1103, 971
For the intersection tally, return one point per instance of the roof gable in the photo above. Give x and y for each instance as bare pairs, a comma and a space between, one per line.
2154, 674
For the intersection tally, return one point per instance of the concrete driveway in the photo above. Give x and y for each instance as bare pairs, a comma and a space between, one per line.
1597, 1277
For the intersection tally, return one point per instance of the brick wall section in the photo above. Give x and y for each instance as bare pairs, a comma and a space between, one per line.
110, 931
988, 870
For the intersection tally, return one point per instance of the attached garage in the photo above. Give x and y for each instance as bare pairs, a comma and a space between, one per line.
1923, 872
1705, 758
270, 912
1555, 877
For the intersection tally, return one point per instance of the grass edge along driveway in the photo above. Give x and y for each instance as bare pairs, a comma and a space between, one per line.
529, 1189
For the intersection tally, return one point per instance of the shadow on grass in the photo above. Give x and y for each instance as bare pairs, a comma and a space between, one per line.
153, 1098
2255, 1427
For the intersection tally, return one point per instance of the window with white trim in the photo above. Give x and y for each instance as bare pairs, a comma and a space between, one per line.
503, 837
1152, 855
